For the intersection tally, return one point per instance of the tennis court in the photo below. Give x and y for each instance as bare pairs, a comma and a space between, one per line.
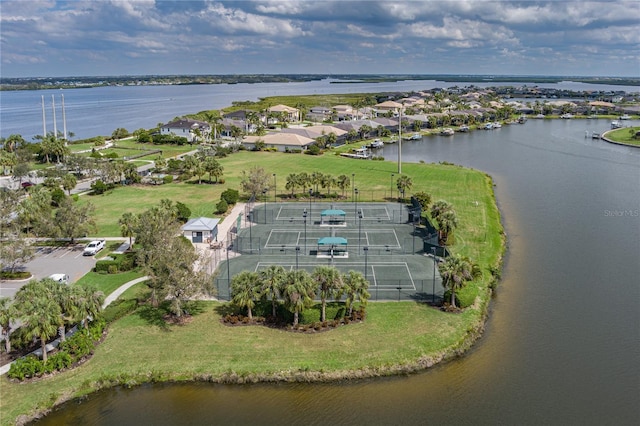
371, 240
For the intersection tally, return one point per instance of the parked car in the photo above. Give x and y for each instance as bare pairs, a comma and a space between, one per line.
93, 248
59, 278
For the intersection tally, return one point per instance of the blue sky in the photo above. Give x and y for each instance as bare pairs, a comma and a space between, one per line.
139, 37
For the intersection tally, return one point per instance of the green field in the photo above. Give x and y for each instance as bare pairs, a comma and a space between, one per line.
625, 135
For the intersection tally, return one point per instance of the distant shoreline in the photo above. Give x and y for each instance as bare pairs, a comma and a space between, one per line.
76, 82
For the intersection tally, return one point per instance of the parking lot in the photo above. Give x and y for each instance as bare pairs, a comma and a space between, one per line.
52, 260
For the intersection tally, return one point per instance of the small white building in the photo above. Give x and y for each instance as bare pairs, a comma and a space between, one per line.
201, 230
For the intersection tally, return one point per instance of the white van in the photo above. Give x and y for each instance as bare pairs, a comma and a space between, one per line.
60, 278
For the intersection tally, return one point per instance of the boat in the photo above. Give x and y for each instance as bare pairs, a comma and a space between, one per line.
488, 126
522, 119
463, 129
625, 117
615, 124
377, 143
567, 116
595, 135
540, 116
497, 125
448, 131
414, 137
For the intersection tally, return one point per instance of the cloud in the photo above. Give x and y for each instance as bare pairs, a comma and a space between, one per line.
461, 36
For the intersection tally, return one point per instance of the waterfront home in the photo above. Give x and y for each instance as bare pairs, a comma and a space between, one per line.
389, 106
193, 130
290, 114
283, 142
315, 132
319, 113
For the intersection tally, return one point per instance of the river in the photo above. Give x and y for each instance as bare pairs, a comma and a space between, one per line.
100, 110
562, 343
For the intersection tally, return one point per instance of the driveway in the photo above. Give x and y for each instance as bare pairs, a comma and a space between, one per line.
52, 260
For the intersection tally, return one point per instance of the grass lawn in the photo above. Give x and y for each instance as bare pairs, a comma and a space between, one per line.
245, 351
167, 150
625, 135
107, 283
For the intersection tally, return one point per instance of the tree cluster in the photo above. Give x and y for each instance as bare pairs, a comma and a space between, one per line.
296, 289
445, 218
314, 181
165, 256
46, 309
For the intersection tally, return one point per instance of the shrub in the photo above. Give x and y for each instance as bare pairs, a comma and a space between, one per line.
313, 150
58, 361
57, 195
99, 187
183, 212
29, 366
167, 179
78, 345
112, 155
119, 263
222, 207
231, 196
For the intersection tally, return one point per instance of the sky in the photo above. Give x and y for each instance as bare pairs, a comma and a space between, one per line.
52, 38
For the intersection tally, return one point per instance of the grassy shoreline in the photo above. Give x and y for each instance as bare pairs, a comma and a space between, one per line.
253, 354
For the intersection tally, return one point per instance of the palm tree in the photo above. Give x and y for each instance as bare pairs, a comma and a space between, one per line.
62, 296
88, 303
343, 183
443, 219
128, 224
213, 167
69, 182
447, 221
40, 314
329, 281
456, 272
245, 290
8, 314
297, 291
356, 288
404, 183
292, 182
272, 279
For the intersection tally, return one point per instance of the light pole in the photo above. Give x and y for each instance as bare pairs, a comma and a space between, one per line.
310, 195
228, 271
366, 252
304, 215
433, 290
414, 234
400, 142
275, 188
264, 195
355, 210
391, 186
250, 233
359, 229
297, 253
353, 184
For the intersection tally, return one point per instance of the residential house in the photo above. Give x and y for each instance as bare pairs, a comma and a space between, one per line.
188, 128
290, 114
283, 142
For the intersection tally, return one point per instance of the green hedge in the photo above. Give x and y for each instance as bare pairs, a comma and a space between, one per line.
120, 263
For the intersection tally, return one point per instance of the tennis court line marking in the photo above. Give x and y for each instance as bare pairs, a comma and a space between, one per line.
313, 239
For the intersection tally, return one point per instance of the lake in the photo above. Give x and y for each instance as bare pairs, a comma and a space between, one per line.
100, 110
562, 343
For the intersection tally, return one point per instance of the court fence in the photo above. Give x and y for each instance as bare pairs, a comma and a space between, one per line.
428, 290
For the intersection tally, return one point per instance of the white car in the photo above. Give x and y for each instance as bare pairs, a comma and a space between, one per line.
59, 278
93, 248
